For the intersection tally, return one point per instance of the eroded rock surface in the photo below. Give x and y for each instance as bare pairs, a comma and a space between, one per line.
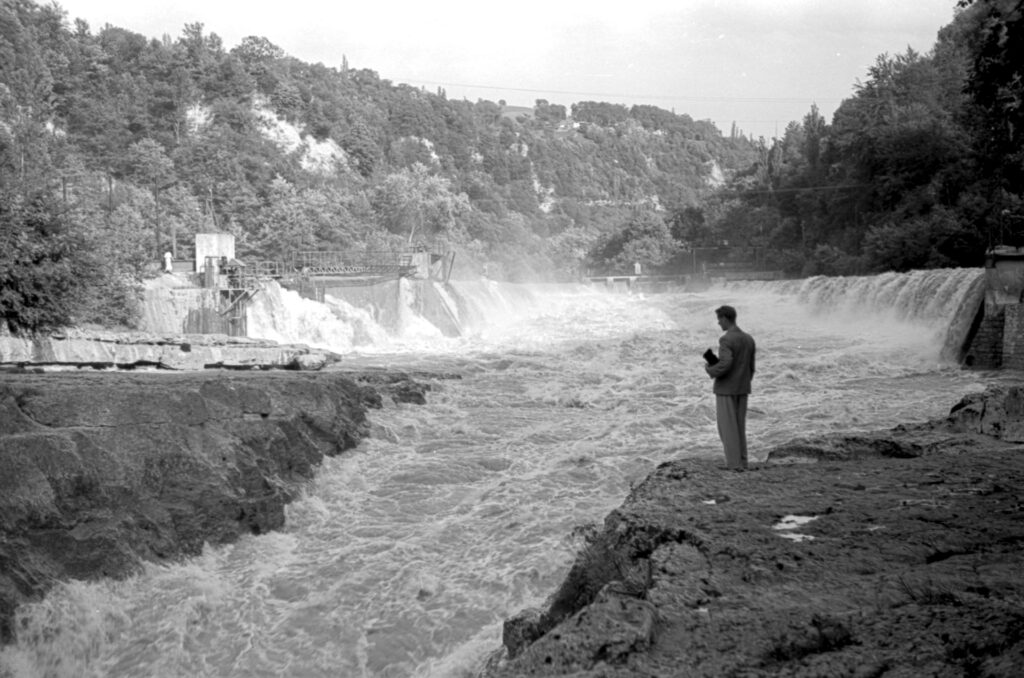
896, 553
101, 470
79, 348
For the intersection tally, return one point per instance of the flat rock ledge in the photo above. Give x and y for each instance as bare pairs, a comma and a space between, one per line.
102, 470
127, 350
896, 553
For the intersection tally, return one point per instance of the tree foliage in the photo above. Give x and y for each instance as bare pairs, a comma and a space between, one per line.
115, 147
921, 167
645, 239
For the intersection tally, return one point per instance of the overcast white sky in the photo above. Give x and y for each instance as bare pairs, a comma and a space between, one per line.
760, 63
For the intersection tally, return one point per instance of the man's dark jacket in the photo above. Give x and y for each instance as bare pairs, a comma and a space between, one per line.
735, 367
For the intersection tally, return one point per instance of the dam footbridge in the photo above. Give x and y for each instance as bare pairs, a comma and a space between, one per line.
227, 285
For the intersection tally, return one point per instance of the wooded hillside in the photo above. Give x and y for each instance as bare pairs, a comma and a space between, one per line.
922, 167
115, 147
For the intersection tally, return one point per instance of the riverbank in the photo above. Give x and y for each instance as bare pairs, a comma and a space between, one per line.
102, 470
895, 553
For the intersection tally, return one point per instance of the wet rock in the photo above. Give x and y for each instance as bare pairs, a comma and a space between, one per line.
309, 361
845, 448
102, 470
609, 630
523, 629
998, 412
887, 553
403, 387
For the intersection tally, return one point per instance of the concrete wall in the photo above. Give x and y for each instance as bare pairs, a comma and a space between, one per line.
1004, 276
381, 300
1013, 337
391, 301
999, 340
986, 348
998, 336
171, 307
437, 308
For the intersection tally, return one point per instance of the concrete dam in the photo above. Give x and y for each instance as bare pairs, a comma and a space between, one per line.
342, 302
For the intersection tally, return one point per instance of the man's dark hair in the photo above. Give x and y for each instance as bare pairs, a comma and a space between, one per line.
726, 312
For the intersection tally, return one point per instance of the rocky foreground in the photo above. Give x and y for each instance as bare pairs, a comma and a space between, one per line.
898, 553
100, 471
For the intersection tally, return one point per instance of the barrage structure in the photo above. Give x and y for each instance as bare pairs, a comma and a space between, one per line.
235, 282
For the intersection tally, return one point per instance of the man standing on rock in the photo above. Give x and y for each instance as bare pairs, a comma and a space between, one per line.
732, 371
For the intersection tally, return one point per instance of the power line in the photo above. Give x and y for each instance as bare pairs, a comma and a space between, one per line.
751, 100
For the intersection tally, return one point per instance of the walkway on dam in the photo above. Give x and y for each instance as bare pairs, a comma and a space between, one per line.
355, 268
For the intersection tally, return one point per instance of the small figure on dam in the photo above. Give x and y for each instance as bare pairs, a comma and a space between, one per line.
732, 369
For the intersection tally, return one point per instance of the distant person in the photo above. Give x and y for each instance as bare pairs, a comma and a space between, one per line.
168, 262
732, 370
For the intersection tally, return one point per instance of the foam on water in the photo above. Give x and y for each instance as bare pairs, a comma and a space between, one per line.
405, 555
282, 315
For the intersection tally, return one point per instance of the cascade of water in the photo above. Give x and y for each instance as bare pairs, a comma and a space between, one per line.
930, 295
941, 301
486, 302
284, 316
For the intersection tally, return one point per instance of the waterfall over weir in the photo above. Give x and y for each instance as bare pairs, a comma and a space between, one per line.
930, 295
405, 315
942, 301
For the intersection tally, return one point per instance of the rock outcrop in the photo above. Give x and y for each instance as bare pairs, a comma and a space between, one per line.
895, 553
102, 470
78, 348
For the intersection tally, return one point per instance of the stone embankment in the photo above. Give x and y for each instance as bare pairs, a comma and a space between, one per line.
127, 350
896, 553
100, 471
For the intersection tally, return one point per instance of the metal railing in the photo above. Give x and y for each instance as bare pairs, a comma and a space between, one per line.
339, 259
376, 264
352, 263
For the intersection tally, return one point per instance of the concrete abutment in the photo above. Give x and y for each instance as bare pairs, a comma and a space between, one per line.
996, 337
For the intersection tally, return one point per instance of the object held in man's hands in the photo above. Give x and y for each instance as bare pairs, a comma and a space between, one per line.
710, 357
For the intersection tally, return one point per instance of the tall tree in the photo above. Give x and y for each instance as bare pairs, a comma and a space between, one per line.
419, 205
996, 91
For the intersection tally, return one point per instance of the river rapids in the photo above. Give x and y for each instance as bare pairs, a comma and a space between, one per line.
405, 555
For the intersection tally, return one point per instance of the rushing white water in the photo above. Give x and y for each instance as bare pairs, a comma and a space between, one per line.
405, 555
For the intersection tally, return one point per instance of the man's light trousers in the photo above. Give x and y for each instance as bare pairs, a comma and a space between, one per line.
731, 411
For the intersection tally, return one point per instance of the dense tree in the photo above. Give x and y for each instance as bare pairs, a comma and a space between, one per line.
914, 170
995, 88
599, 113
545, 112
418, 205
115, 137
50, 274
644, 239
